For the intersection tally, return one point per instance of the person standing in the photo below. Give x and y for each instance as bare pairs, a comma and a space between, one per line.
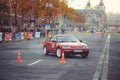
102, 31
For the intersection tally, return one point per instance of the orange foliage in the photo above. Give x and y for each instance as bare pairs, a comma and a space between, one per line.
24, 8
80, 18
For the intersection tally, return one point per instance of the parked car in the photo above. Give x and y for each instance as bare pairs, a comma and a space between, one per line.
68, 43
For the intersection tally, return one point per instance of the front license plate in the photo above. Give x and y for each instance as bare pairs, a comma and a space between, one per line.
78, 50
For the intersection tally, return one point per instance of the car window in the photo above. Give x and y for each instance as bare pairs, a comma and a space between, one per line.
48, 38
53, 38
66, 39
59, 39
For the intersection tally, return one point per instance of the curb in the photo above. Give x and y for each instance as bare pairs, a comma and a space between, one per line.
42, 39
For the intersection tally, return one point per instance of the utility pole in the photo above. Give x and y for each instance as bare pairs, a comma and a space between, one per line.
10, 15
32, 15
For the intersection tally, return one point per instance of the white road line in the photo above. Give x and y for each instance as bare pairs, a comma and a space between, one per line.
102, 68
35, 62
106, 63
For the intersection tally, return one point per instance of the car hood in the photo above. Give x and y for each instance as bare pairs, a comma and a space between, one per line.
72, 43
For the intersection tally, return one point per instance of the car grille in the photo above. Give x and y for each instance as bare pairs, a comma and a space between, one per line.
76, 47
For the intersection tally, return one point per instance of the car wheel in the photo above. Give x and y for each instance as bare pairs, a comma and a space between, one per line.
59, 53
45, 52
84, 55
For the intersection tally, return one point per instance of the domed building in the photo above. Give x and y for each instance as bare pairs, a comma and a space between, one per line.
94, 16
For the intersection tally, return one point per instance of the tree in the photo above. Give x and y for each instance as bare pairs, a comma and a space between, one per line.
23, 8
80, 18
4, 11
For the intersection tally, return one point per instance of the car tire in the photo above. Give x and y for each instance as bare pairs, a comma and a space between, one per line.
59, 53
84, 55
45, 52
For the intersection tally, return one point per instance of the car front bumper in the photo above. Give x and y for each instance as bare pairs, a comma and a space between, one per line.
76, 51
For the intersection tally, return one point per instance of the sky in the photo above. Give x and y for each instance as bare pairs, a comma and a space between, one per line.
110, 5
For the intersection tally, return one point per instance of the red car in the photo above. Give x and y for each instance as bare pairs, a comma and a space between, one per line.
70, 44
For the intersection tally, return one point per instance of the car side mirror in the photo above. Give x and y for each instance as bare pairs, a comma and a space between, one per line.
80, 40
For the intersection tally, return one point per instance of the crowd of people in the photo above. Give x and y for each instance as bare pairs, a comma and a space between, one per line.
16, 32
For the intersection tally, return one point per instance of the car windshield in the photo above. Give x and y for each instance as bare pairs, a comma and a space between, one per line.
66, 38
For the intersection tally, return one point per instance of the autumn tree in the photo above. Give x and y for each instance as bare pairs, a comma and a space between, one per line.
80, 17
4, 11
23, 8
19, 8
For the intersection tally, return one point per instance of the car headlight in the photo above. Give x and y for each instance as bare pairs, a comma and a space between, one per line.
85, 46
66, 46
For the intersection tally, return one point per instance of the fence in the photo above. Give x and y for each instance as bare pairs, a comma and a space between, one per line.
9, 36
15, 36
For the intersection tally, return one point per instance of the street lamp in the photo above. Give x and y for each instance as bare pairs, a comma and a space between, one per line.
32, 14
10, 14
48, 5
47, 24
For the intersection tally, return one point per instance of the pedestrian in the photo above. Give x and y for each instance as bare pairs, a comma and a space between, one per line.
102, 31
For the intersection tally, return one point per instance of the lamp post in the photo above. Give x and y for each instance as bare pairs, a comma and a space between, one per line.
48, 5
47, 24
10, 15
32, 14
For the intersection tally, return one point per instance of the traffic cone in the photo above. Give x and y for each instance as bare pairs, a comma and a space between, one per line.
63, 58
19, 57
41, 45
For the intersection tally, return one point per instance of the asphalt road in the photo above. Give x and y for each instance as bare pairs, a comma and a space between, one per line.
114, 61
36, 66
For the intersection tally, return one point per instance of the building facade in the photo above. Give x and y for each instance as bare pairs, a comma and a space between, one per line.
94, 16
113, 19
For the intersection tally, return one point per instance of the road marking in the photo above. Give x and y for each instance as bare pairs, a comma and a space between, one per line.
106, 62
102, 68
35, 62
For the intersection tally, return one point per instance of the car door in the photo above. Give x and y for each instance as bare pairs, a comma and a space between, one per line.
51, 44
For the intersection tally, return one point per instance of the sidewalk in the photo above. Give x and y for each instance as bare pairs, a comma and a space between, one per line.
42, 39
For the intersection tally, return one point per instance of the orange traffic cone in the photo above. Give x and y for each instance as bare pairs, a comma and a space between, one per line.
19, 57
63, 58
41, 45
